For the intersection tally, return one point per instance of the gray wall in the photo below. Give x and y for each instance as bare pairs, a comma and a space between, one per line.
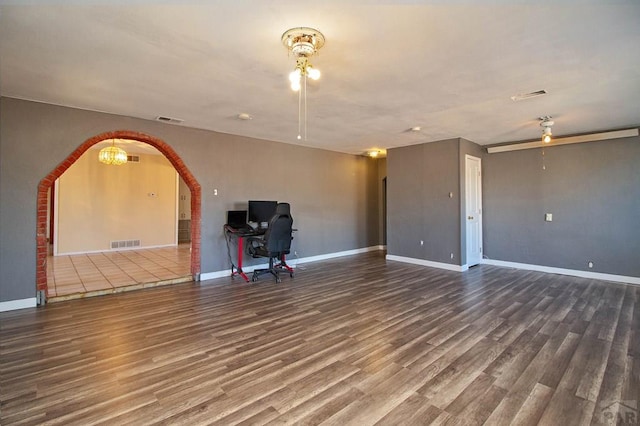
372, 195
382, 220
420, 178
331, 194
592, 190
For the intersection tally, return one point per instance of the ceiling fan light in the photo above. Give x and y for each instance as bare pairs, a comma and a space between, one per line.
302, 42
294, 76
313, 73
546, 123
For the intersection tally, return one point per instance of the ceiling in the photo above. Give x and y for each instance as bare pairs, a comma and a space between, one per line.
447, 67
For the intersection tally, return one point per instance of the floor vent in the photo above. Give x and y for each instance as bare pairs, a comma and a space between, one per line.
133, 158
124, 244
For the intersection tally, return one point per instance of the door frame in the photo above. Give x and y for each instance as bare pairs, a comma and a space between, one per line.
49, 180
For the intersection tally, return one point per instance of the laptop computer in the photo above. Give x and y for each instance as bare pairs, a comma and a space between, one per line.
237, 219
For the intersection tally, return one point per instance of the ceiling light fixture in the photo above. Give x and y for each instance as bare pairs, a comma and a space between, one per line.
546, 123
302, 42
375, 153
112, 155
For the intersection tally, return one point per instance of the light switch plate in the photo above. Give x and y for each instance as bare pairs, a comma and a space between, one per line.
548, 217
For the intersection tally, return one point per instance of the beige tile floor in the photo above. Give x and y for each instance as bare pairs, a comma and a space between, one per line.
107, 271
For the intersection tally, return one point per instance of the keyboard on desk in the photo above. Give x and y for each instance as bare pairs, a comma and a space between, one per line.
242, 229
246, 230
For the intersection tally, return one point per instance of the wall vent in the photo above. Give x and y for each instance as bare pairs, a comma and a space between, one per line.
523, 96
124, 244
169, 119
133, 158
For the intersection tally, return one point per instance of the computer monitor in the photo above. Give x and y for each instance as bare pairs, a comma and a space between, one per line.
261, 211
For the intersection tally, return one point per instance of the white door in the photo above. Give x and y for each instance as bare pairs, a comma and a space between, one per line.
473, 182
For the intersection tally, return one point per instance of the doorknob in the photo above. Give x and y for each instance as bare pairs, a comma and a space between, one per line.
470, 217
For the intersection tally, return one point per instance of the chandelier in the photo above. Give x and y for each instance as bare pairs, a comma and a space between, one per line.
302, 42
112, 155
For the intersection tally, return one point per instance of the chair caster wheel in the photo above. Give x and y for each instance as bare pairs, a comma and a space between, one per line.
254, 278
291, 275
278, 280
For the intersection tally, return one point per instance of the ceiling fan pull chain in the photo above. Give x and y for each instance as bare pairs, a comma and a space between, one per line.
305, 106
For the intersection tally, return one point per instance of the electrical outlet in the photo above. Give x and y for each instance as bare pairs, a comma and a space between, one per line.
590, 265
548, 217
421, 242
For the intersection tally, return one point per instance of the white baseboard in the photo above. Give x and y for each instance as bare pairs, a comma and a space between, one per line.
562, 271
71, 253
337, 254
213, 275
227, 272
247, 269
12, 305
422, 262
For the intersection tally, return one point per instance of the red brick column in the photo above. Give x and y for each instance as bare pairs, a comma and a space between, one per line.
166, 150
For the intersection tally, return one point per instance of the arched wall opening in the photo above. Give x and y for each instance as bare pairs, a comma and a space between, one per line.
47, 182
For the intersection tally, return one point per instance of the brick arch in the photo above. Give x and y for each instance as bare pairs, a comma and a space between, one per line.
166, 150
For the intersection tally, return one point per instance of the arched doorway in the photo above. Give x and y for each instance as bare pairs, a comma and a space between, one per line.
47, 182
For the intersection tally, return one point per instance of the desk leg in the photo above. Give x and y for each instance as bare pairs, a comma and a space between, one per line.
240, 253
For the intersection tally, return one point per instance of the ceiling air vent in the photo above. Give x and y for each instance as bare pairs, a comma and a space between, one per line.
524, 96
133, 158
169, 120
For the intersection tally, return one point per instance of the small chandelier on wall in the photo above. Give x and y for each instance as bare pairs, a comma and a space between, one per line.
112, 155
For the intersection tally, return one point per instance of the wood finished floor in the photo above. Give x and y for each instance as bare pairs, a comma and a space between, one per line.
355, 340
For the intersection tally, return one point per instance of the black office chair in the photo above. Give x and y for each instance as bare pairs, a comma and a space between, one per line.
275, 244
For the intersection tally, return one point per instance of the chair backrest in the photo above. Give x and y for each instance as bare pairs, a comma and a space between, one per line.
279, 233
